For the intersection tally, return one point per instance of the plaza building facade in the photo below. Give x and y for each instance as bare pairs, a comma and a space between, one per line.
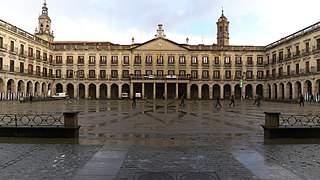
159, 68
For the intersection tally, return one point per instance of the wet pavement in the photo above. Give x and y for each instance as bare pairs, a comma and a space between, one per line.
159, 139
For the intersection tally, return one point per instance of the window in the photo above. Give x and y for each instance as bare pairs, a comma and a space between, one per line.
288, 70
92, 74
102, 74
297, 50
194, 74
227, 60
11, 66
37, 54
297, 68
69, 73
205, 60
30, 52
307, 47
260, 74
249, 74
170, 72
80, 59
80, 73
137, 73
249, 61
21, 49
216, 60
238, 60
268, 73
280, 70
160, 60
318, 44
58, 59
137, 59
159, 73
307, 67
11, 46
182, 60
30, 69
38, 73
170, 59
114, 60
1, 42
228, 74
114, 74
318, 64
58, 73
92, 60
259, 60
148, 59
1, 63
126, 60
274, 73
274, 58
50, 59
21, 67
280, 55
194, 60
50, 72
125, 74
103, 60
238, 74
288, 52
148, 72
216, 74
182, 73
45, 56
69, 59
205, 74
45, 71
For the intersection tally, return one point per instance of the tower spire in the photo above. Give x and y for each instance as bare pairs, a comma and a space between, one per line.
44, 24
223, 30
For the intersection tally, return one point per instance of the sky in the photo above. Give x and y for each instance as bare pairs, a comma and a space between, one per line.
252, 22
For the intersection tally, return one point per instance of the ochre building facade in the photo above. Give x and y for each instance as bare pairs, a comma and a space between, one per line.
159, 68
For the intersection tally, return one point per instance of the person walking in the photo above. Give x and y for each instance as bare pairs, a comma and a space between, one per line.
301, 100
182, 100
218, 102
134, 100
259, 100
255, 100
232, 101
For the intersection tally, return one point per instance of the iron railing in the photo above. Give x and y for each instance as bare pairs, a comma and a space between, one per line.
299, 120
29, 120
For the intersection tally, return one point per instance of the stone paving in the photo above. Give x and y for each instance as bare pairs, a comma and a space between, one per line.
118, 141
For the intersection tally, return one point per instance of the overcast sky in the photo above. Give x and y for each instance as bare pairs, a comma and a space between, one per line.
252, 22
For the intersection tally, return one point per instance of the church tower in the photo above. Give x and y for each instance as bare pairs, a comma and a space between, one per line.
223, 31
44, 25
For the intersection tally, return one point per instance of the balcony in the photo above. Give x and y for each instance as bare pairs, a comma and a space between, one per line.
13, 50
306, 52
296, 54
316, 49
31, 56
287, 57
3, 47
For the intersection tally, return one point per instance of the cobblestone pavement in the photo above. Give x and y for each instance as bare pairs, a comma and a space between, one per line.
158, 136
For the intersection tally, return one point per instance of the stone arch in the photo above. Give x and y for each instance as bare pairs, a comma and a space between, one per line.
126, 89
10, 86
114, 91
70, 90
205, 91
44, 89
82, 91
237, 91
59, 88
297, 89
194, 91
275, 91
226, 91
248, 91
259, 90
216, 91
289, 91
29, 87
37, 88
281, 91
103, 91
269, 91
92, 91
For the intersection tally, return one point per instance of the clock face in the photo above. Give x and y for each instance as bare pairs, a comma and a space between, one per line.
160, 44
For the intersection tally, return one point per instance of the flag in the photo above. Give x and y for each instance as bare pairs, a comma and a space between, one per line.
159, 56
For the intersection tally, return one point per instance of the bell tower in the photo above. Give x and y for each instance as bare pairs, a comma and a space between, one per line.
44, 25
223, 31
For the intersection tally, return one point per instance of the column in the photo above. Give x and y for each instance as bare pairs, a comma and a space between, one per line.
98, 91
142, 91
177, 91
294, 90
232, 90
120, 91
254, 90
154, 90
131, 90
199, 92
314, 89
86, 91
221, 93
75, 91
188, 90
165, 91
211, 92
109, 91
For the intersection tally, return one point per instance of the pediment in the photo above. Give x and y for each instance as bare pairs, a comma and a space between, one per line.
160, 44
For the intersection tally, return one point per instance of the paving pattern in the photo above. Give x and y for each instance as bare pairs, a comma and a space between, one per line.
157, 137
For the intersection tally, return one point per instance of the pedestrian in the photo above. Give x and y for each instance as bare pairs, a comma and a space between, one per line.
134, 100
218, 102
255, 100
259, 100
182, 100
30, 98
232, 101
301, 100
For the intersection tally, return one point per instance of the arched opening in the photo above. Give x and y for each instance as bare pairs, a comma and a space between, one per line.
92, 91
10, 89
216, 91
114, 91
194, 91
171, 90
248, 91
70, 90
82, 91
275, 91
269, 91
205, 91
259, 90
308, 90
29, 87
226, 91
298, 90
281, 94
59, 88
103, 91
126, 89
289, 91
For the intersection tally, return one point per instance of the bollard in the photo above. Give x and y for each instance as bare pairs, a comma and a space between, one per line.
271, 119
71, 119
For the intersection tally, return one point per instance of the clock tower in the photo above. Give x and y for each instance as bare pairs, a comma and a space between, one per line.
44, 25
